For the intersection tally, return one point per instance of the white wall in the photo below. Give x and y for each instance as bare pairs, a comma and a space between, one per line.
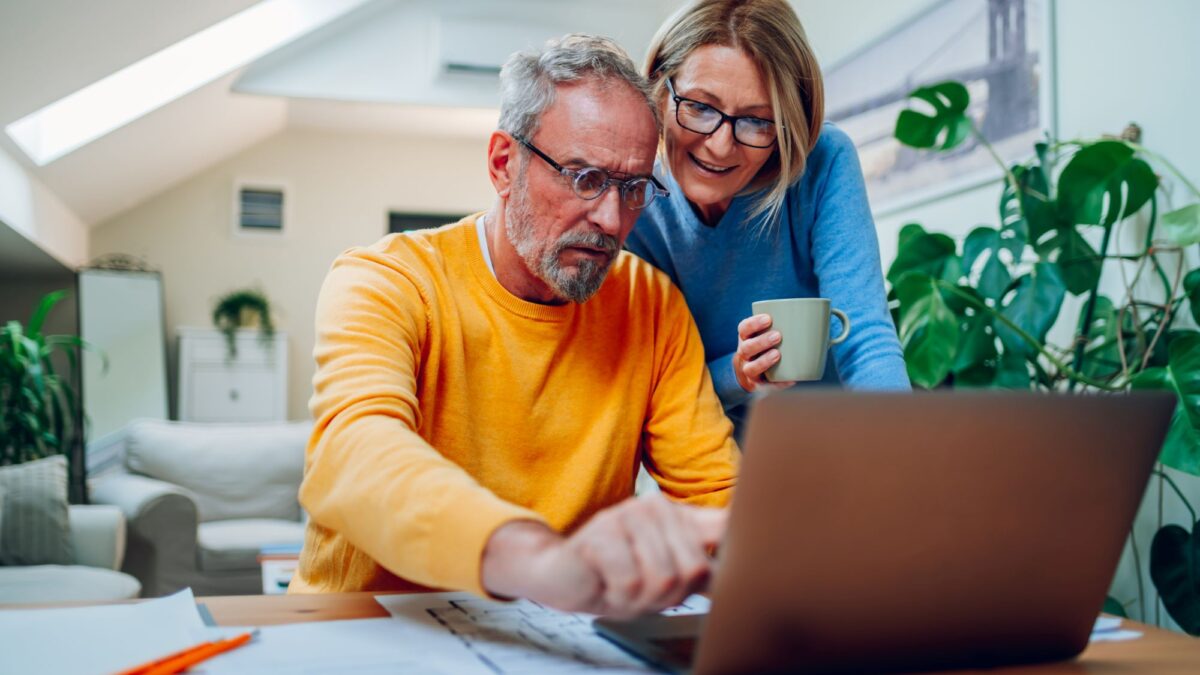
29, 207
340, 188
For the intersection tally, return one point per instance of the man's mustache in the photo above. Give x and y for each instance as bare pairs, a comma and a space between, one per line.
605, 242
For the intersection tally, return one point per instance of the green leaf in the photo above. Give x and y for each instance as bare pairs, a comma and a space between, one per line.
980, 241
931, 254
928, 330
1033, 308
1012, 372
994, 278
1182, 226
908, 232
1175, 570
1077, 260
1040, 215
1181, 450
1114, 607
947, 127
39, 315
1104, 168
976, 347
1102, 353
1191, 285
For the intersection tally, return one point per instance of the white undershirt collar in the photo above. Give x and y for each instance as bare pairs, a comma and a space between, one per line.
481, 230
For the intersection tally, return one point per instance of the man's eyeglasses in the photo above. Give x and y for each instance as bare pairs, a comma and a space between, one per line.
591, 182
702, 118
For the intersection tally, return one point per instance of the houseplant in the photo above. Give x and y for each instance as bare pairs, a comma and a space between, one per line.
41, 413
980, 314
243, 308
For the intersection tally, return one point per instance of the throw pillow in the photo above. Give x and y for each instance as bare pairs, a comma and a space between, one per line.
35, 529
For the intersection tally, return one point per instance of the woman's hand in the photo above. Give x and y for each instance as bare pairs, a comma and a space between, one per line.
756, 353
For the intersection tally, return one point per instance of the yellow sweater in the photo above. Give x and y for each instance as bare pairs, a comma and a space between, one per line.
446, 407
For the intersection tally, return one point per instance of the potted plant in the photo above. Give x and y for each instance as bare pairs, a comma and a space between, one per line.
245, 308
41, 413
978, 313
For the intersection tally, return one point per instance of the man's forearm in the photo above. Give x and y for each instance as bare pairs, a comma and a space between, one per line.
509, 555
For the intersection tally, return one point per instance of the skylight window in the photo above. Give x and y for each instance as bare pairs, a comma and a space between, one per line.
120, 98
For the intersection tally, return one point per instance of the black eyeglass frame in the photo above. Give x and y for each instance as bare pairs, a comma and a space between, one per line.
622, 185
732, 119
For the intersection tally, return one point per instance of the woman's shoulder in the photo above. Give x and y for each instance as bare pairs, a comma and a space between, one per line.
832, 144
834, 153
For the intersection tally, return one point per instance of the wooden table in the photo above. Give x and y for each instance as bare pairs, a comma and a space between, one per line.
1157, 651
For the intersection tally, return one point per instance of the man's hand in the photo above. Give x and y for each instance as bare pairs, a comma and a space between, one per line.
640, 556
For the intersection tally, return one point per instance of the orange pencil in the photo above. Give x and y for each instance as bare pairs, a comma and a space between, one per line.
182, 660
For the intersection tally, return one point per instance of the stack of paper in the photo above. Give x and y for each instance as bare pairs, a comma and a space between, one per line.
101, 639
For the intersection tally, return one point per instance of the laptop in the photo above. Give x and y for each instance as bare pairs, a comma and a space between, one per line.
894, 532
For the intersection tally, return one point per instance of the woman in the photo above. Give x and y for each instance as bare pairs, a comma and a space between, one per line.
766, 200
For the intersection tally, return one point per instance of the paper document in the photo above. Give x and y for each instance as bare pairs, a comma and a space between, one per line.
357, 647
99, 639
1108, 629
463, 633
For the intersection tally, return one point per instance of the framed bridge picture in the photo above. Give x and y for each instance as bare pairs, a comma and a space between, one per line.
1000, 49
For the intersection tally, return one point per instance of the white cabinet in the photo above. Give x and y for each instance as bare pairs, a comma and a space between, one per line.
251, 387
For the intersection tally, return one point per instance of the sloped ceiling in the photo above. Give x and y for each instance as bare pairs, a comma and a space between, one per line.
345, 77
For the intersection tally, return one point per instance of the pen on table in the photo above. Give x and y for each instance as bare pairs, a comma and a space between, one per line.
182, 660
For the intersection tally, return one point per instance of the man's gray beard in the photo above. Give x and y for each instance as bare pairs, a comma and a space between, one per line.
577, 285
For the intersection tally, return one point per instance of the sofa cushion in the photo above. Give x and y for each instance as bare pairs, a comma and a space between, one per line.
234, 470
65, 583
229, 545
35, 529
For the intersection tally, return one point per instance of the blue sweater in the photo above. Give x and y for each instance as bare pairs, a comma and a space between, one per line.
823, 246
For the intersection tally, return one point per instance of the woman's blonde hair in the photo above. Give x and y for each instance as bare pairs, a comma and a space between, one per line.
769, 32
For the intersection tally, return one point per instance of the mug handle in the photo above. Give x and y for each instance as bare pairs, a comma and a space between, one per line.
845, 327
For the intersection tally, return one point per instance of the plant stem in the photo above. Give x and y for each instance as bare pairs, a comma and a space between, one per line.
1137, 566
1171, 482
1062, 367
1157, 595
1159, 159
1150, 250
1008, 174
1090, 311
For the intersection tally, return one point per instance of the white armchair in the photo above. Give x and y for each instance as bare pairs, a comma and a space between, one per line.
202, 501
98, 543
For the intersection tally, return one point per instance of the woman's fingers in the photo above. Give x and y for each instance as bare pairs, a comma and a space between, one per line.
752, 325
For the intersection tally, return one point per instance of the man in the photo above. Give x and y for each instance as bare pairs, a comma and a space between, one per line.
486, 390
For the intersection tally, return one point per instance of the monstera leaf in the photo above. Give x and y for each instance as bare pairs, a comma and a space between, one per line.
1032, 215
1033, 308
932, 254
994, 278
1182, 226
1104, 168
928, 329
946, 127
1077, 260
1182, 375
1191, 285
1102, 355
975, 364
1175, 570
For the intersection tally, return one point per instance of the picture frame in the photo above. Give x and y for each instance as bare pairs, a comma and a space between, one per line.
1002, 50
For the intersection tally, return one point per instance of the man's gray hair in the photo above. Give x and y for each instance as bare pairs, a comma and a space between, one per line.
529, 79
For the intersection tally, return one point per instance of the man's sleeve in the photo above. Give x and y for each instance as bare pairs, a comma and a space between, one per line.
688, 442
368, 474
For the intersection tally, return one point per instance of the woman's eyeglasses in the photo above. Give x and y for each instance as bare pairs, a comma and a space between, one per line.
702, 118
